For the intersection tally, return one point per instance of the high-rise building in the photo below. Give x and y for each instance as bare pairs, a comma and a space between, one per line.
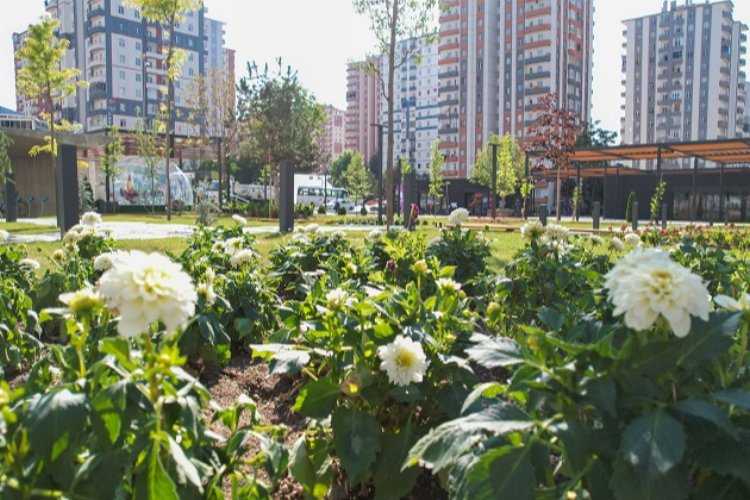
332, 140
683, 75
122, 56
362, 109
498, 58
415, 103
25, 106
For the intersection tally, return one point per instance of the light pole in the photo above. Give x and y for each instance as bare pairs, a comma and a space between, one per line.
494, 180
325, 188
379, 126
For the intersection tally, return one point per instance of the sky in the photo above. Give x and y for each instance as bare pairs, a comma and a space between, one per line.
318, 37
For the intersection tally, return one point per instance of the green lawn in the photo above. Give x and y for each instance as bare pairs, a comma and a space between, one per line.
25, 228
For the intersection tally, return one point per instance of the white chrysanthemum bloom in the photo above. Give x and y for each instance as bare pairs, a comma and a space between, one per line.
242, 257
240, 220
82, 301
632, 239
105, 261
78, 232
559, 247
596, 240
458, 217
58, 255
337, 298
145, 288
448, 285
4, 235
210, 276
309, 228
207, 290
233, 245
647, 284
375, 235
30, 264
616, 244
352, 268
218, 246
557, 232
741, 304
91, 219
340, 234
532, 230
404, 361
300, 238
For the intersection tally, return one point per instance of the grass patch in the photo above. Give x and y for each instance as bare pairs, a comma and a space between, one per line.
20, 228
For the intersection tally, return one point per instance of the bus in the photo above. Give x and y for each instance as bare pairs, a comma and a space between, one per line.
314, 189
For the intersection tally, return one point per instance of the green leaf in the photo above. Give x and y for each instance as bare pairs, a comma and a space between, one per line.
551, 318
185, 467
356, 438
577, 441
310, 465
158, 483
444, 444
56, 422
390, 481
653, 444
708, 340
494, 352
100, 475
734, 397
502, 473
708, 412
317, 399
282, 358
603, 393
627, 484
485, 390
120, 349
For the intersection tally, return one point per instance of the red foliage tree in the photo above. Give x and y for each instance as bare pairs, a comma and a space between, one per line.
553, 136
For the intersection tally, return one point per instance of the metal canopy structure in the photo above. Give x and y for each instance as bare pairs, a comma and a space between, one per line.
724, 152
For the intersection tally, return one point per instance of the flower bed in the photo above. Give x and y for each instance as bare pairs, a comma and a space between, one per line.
594, 366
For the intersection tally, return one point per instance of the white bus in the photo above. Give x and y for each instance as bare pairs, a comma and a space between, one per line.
314, 189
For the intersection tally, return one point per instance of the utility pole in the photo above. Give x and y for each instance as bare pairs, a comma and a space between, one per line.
379, 126
494, 180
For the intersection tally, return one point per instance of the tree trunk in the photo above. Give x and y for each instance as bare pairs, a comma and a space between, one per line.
389, 155
170, 100
218, 166
557, 188
106, 193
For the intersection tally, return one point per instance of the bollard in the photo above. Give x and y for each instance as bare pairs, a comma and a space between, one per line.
726, 217
711, 218
543, 215
286, 197
595, 214
634, 216
11, 209
664, 216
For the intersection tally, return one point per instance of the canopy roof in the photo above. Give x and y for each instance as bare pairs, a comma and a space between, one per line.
724, 151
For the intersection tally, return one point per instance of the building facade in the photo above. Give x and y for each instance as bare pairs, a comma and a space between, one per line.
684, 75
362, 109
333, 138
415, 103
498, 58
121, 55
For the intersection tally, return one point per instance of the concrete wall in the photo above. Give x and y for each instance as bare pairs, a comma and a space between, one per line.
35, 177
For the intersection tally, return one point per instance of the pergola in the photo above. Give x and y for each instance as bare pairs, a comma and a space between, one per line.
722, 152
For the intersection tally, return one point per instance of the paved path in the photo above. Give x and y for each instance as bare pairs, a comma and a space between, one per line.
149, 231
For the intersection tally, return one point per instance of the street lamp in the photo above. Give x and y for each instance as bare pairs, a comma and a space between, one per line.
380, 171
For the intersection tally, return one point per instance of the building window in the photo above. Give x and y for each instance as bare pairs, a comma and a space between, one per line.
138, 61
121, 10
122, 75
137, 77
121, 42
122, 59
137, 45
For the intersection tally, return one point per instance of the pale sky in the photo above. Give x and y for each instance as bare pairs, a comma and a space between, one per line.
318, 37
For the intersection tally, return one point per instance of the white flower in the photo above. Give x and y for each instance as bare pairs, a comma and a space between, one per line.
241, 257
91, 219
338, 234
218, 246
352, 267
105, 261
646, 284
300, 238
145, 288
404, 361
743, 304
210, 276
632, 240
82, 301
240, 220
58, 255
375, 235
532, 230
233, 245
207, 290
559, 247
596, 240
448, 285
78, 232
557, 232
337, 298
458, 217
309, 229
616, 244
4, 235
29, 263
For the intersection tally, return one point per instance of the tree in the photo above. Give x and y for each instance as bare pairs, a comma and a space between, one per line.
211, 98
5, 167
656, 200
553, 136
391, 21
358, 177
337, 169
592, 135
437, 181
150, 149
510, 165
629, 207
168, 13
281, 119
42, 77
112, 153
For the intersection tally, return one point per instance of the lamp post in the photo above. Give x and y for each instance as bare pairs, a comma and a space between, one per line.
494, 180
325, 188
379, 126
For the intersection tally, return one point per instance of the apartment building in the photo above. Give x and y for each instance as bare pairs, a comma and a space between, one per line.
333, 139
122, 57
684, 75
362, 109
415, 103
498, 58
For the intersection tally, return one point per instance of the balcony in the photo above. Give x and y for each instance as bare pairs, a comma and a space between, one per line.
448, 130
448, 102
538, 59
537, 91
537, 74
447, 88
97, 10
448, 74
